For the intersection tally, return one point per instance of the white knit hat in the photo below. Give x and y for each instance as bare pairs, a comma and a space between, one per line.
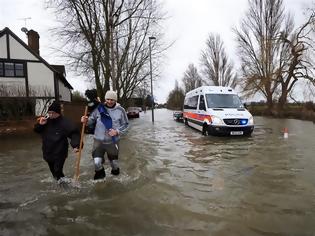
110, 94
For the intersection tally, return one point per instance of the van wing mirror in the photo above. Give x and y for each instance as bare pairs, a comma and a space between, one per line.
246, 104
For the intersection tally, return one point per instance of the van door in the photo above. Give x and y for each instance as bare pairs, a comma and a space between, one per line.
202, 114
202, 105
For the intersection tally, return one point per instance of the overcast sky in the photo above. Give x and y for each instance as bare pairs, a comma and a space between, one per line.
189, 24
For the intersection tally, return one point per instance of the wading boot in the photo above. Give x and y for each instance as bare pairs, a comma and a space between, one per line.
99, 174
115, 171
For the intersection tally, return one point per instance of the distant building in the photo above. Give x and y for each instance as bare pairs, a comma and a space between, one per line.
24, 74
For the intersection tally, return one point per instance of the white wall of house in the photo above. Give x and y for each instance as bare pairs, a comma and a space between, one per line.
40, 80
3, 47
40, 76
17, 51
64, 92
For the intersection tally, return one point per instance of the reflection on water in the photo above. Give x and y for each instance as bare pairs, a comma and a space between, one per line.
174, 181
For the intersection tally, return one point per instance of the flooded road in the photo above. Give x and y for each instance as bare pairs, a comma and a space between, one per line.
173, 181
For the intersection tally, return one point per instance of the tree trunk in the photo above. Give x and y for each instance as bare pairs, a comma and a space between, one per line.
282, 100
270, 105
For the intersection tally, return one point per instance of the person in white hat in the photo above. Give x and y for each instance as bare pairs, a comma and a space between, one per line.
110, 121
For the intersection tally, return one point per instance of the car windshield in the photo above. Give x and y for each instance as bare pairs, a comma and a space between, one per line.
223, 101
132, 109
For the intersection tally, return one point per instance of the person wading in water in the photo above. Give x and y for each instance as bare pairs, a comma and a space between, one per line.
55, 131
109, 121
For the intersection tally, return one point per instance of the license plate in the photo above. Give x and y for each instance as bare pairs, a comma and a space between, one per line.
236, 133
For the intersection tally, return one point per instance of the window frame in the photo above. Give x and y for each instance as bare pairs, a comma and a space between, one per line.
202, 103
17, 72
1, 69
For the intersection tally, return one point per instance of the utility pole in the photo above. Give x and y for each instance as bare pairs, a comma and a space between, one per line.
150, 52
112, 53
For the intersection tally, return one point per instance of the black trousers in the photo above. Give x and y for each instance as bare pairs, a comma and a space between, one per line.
56, 167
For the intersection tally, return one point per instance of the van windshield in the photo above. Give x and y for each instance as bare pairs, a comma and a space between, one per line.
223, 101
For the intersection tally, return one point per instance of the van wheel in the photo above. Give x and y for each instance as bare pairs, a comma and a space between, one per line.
205, 130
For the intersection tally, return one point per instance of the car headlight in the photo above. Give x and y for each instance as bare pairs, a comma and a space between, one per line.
216, 120
251, 120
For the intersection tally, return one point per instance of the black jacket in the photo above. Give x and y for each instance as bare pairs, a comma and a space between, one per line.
55, 134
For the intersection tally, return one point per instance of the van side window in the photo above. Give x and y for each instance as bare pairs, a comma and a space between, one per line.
191, 103
202, 105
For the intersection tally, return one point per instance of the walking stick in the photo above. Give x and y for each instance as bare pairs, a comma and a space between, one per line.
77, 164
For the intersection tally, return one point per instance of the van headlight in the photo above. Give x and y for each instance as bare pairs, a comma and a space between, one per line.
216, 120
251, 120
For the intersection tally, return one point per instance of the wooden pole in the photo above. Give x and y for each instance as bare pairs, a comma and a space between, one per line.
77, 164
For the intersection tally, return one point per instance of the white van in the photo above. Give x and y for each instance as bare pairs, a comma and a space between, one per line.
217, 110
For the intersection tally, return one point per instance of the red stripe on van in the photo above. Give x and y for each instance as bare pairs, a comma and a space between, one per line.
195, 116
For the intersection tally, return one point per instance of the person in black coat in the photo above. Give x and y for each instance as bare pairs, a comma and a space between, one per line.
55, 131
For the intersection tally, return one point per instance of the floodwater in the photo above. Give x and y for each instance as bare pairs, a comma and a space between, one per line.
173, 181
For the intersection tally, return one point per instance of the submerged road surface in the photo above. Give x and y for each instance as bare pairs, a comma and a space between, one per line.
173, 181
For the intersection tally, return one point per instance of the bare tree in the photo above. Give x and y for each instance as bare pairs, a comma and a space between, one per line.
132, 50
191, 79
81, 33
107, 40
176, 98
296, 61
216, 67
273, 54
310, 85
258, 46
14, 100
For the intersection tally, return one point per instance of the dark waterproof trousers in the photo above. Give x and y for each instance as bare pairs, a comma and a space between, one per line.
56, 167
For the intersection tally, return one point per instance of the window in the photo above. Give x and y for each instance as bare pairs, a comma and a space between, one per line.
191, 103
11, 69
223, 101
19, 69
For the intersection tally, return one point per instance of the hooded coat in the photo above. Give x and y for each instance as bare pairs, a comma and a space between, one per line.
55, 134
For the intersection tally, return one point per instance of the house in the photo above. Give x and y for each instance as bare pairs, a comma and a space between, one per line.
24, 74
